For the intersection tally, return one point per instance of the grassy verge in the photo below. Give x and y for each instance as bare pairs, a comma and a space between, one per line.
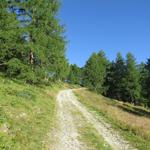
88, 134
132, 122
26, 114
92, 139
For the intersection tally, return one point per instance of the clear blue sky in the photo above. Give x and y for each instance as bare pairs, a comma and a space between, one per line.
111, 25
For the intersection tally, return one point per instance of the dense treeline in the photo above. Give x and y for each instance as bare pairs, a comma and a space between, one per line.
32, 46
122, 79
75, 75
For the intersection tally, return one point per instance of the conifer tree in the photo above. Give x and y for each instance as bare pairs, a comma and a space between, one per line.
143, 76
75, 75
132, 88
10, 38
95, 72
47, 44
147, 83
35, 48
115, 77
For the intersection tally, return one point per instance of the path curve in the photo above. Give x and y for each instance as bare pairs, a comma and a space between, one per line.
68, 133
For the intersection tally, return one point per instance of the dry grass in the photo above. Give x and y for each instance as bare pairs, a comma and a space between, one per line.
132, 121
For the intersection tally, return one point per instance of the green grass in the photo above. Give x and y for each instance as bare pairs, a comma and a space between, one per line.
93, 139
88, 134
132, 122
27, 114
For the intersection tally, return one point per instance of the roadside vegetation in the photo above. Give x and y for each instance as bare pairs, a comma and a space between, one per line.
122, 79
33, 65
27, 114
92, 139
32, 44
88, 134
133, 122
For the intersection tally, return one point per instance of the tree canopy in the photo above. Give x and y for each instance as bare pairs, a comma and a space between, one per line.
32, 41
32, 48
115, 78
95, 72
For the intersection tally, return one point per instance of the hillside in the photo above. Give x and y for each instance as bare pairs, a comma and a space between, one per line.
132, 122
26, 114
37, 117
63, 83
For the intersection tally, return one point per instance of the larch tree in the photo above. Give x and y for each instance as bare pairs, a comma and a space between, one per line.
47, 44
75, 75
35, 38
95, 72
10, 40
132, 88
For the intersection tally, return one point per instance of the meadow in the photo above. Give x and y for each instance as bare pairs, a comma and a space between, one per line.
132, 122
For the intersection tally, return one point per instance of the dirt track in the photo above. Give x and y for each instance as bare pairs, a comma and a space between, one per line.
67, 134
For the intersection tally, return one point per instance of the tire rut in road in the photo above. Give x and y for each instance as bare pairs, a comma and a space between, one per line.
68, 133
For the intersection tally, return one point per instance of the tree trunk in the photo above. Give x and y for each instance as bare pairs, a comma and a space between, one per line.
31, 58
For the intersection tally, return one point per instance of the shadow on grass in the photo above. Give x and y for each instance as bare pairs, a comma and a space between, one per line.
135, 110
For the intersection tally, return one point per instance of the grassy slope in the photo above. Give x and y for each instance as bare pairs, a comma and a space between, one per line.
132, 122
26, 114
